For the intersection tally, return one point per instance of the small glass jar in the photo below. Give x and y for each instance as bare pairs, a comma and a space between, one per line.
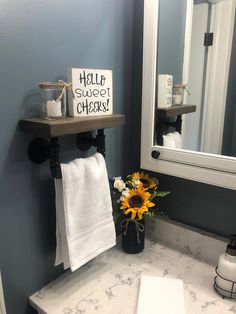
178, 94
53, 100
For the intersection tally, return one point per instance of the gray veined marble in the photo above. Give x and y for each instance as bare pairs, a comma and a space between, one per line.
109, 284
197, 243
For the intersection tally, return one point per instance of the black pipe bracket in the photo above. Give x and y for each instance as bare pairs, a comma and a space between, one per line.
41, 149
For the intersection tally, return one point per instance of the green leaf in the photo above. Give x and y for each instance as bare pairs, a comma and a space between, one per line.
149, 214
162, 194
129, 177
154, 195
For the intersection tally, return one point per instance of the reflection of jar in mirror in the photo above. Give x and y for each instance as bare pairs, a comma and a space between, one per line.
178, 94
53, 100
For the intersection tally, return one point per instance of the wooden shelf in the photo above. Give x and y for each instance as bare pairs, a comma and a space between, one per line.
55, 128
175, 110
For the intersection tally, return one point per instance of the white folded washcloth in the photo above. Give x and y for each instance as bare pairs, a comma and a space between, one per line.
85, 226
160, 295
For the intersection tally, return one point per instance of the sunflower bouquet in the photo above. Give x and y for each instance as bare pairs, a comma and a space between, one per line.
137, 195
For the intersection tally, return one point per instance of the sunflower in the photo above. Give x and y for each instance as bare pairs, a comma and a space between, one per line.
136, 202
147, 181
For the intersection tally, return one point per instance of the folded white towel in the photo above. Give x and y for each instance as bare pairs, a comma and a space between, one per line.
160, 295
85, 226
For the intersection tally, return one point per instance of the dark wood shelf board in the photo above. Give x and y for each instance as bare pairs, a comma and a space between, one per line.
67, 126
175, 111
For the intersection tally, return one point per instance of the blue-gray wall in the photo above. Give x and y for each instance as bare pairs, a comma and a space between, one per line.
39, 40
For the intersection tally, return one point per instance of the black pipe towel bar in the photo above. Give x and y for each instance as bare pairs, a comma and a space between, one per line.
40, 149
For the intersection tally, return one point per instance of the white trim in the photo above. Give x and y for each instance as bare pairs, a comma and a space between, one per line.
149, 74
2, 301
210, 77
217, 76
204, 175
187, 42
207, 168
187, 51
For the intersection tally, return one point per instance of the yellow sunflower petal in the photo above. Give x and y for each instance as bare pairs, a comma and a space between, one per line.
136, 175
127, 211
150, 204
140, 215
133, 215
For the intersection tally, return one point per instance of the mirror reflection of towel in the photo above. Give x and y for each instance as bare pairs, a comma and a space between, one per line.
85, 226
172, 140
178, 140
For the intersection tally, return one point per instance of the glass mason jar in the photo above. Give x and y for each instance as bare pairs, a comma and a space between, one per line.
53, 100
133, 235
178, 94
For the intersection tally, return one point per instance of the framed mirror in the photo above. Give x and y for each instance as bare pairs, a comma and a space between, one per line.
190, 44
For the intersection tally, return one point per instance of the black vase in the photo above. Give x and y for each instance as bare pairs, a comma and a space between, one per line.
133, 235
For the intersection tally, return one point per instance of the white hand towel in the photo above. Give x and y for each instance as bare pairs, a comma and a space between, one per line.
160, 295
85, 226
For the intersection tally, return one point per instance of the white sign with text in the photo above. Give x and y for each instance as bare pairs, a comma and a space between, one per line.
92, 91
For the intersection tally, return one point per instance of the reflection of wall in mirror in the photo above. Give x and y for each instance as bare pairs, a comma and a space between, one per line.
170, 45
229, 135
197, 68
171, 38
208, 81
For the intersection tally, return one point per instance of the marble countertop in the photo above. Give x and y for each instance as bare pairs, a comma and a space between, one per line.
110, 283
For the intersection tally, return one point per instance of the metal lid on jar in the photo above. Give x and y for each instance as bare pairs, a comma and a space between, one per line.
49, 85
56, 85
180, 86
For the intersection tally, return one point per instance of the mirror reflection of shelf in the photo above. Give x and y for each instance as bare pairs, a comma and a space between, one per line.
175, 110
163, 123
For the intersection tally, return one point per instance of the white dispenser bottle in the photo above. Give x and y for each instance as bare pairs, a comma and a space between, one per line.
226, 278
